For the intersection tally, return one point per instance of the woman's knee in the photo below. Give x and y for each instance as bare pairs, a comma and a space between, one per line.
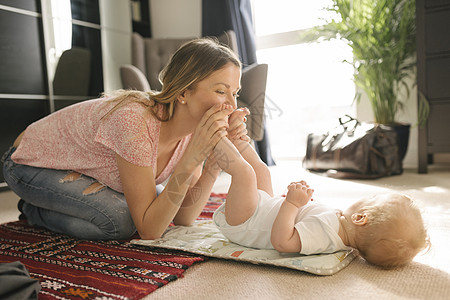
92, 226
123, 226
7, 165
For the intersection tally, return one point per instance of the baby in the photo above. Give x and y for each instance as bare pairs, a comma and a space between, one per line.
387, 230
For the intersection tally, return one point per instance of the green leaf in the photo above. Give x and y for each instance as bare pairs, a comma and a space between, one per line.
381, 34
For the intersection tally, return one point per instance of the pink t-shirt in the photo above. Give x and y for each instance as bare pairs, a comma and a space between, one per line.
76, 138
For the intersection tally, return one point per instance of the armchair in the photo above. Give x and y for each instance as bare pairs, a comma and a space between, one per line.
149, 56
72, 74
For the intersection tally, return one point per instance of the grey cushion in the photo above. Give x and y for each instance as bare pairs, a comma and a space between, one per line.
150, 55
73, 72
133, 78
157, 55
252, 96
138, 52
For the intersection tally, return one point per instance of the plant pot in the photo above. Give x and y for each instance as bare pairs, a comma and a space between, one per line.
402, 131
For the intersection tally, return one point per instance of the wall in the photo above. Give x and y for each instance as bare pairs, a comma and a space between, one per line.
116, 40
176, 18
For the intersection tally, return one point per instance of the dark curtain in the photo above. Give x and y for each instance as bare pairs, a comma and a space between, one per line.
221, 15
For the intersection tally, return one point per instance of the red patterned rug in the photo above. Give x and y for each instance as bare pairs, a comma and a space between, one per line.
69, 268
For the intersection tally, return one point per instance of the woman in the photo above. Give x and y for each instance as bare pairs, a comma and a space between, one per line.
120, 147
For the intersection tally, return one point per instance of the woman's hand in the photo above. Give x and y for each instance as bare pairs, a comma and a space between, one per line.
211, 128
237, 128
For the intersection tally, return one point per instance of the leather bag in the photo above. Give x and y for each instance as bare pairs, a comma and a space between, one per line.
354, 150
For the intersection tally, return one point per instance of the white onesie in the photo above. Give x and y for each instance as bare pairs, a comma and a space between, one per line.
317, 226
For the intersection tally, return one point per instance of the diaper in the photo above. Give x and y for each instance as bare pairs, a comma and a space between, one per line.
256, 231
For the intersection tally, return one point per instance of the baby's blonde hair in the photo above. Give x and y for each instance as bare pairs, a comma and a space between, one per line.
394, 233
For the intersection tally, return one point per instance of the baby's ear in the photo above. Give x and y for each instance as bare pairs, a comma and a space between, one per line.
359, 219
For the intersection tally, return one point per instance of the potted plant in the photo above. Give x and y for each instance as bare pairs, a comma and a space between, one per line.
382, 35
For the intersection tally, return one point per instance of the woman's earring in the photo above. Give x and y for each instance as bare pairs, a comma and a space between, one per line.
183, 102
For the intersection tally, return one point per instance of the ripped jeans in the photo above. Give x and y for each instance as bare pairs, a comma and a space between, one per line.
67, 203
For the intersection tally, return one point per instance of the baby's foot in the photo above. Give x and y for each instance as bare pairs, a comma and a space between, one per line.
236, 122
228, 157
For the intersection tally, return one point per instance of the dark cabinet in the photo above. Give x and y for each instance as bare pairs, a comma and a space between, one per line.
55, 53
141, 17
433, 76
29, 86
22, 56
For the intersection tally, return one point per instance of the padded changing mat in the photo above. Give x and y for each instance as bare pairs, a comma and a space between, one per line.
204, 238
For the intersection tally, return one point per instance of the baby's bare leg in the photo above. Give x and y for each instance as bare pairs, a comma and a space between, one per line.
236, 132
263, 176
242, 198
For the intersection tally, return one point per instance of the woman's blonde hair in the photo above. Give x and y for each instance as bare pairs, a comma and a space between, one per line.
394, 233
190, 64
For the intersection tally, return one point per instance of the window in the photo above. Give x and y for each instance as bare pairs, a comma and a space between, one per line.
308, 86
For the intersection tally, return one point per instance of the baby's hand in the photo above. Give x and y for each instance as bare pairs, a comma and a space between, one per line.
299, 193
237, 128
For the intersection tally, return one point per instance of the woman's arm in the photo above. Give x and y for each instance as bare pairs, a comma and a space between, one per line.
198, 194
151, 213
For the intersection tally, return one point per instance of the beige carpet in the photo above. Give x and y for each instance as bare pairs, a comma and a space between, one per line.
428, 277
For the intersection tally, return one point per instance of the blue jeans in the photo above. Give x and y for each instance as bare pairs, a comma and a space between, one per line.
63, 206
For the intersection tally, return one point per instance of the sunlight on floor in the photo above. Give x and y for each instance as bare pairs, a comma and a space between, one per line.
436, 190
